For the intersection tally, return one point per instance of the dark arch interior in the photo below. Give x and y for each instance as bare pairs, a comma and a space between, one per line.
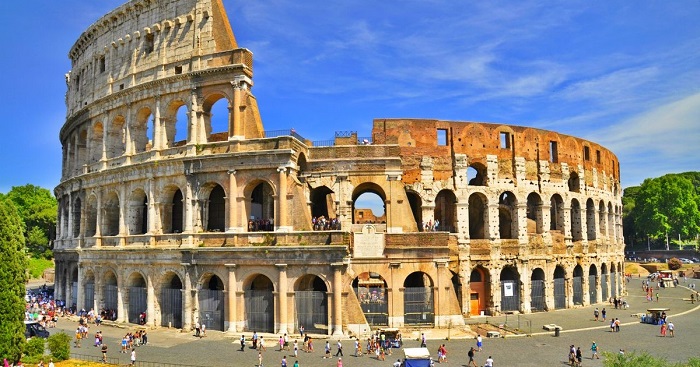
217, 210
537, 274
559, 272
175, 283
509, 273
417, 279
578, 271
261, 283
320, 201
415, 202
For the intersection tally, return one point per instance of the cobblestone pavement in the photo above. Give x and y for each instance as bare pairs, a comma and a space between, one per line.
540, 349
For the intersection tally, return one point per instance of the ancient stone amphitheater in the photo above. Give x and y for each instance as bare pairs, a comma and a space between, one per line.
165, 212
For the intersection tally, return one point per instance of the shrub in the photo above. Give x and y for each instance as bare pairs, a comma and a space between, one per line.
59, 345
35, 347
674, 264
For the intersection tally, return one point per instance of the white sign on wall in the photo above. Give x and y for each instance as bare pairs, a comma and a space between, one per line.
508, 289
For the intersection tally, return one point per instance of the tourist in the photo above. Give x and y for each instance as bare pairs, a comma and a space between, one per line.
51, 363
340, 362
284, 362
423, 341
603, 313
397, 363
596, 313
663, 329
260, 364
281, 342
296, 364
617, 325
327, 350
579, 356
479, 342
104, 352
442, 354
296, 348
301, 331
339, 345
242, 343
594, 350
470, 354
357, 348
133, 356
670, 329
489, 362
286, 341
261, 343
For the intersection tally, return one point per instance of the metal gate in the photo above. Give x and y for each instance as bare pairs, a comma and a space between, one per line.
604, 286
137, 303
578, 290
211, 309
592, 289
260, 311
537, 295
89, 296
171, 307
418, 305
375, 308
312, 311
110, 297
613, 285
510, 295
559, 293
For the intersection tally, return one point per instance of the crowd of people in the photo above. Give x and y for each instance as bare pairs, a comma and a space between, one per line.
324, 224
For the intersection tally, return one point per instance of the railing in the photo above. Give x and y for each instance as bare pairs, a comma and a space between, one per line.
287, 132
115, 361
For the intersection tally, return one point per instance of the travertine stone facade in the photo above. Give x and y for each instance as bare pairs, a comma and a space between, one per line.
159, 212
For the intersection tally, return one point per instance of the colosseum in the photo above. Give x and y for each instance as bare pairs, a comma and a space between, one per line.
167, 209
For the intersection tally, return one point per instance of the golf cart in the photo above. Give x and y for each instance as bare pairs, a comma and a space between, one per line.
392, 337
654, 315
416, 357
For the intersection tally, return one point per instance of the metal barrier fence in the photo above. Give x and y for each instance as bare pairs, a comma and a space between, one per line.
537, 295
115, 361
559, 293
578, 290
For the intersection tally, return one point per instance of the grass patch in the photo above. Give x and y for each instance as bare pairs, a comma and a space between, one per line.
37, 267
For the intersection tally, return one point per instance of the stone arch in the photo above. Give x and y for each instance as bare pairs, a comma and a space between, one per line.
602, 219
537, 286
142, 130
479, 290
77, 216
477, 174
211, 298
510, 289
478, 216
214, 210
110, 290
576, 223
590, 220
81, 149
88, 290
96, 141
370, 289
137, 209
91, 216
507, 215
170, 301
110, 222
173, 210
176, 123
302, 164
559, 287
534, 214
556, 213
574, 182
322, 205
365, 215
578, 285
216, 126
116, 137
259, 303
418, 299
137, 297
611, 221
446, 211
416, 203
311, 303
261, 207
592, 284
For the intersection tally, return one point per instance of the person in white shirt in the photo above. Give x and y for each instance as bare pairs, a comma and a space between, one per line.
489, 362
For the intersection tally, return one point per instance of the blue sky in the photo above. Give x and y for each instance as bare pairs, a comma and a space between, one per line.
625, 74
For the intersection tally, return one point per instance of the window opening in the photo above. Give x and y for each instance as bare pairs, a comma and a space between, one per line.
597, 156
103, 64
505, 140
148, 43
442, 137
587, 153
553, 152
178, 69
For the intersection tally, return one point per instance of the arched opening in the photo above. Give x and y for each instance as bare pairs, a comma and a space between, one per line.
574, 182
173, 210
534, 214
81, 151
176, 122
77, 213
578, 285
262, 208
510, 289
211, 303
576, 230
311, 301
368, 204
479, 290
476, 174
592, 289
110, 291
370, 289
323, 209
611, 222
142, 130
171, 301
216, 210
89, 291
559, 287
507, 216
457, 288
446, 211
116, 138
418, 299
604, 282
96, 141
590, 220
478, 216
556, 214
216, 118
537, 300
259, 305
137, 219
601, 219
416, 204
91, 217
137, 298
110, 223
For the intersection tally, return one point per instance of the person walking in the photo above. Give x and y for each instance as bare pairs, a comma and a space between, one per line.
339, 345
479, 342
579, 356
284, 362
242, 343
657, 296
663, 330
260, 364
327, 350
423, 341
104, 352
133, 356
357, 348
670, 329
296, 348
596, 314
470, 354
340, 363
617, 325
489, 362
594, 350
603, 313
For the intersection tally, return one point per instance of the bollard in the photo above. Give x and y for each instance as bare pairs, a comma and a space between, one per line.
556, 331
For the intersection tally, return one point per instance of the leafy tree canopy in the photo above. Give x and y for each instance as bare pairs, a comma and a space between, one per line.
38, 209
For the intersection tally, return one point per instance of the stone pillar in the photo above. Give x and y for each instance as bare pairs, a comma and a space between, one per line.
441, 318
80, 302
192, 134
235, 129
123, 212
232, 201
98, 219
158, 130
586, 287
187, 301
105, 136
521, 218
129, 145
337, 299
526, 291
121, 312
153, 222
282, 201
188, 205
567, 222
69, 230
150, 301
282, 298
231, 298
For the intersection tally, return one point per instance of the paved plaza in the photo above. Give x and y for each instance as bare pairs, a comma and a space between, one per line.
540, 349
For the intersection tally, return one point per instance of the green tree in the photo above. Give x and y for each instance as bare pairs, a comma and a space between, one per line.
668, 205
38, 209
13, 265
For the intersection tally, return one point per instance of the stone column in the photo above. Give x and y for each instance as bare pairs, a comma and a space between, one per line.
80, 302
153, 222
586, 287
232, 201
493, 232
337, 299
69, 230
521, 217
150, 302
231, 298
282, 298
235, 128
526, 291
158, 130
192, 134
123, 211
187, 301
282, 200
129, 145
98, 219
121, 316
